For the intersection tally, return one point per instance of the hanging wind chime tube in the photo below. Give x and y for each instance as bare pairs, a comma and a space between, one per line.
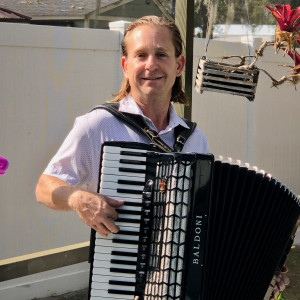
224, 78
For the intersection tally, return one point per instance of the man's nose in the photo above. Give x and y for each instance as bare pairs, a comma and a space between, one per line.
151, 63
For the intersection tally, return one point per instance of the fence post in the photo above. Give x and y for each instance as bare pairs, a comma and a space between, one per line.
184, 19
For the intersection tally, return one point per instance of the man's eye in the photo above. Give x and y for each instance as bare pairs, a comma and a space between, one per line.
162, 54
141, 55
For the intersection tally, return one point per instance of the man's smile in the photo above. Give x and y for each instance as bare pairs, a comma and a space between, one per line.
152, 78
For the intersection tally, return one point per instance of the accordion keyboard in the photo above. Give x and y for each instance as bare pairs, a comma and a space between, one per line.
115, 258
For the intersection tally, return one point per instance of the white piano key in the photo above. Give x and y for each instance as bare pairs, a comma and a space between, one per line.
103, 286
111, 235
110, 243
130, 208
138, 201
116, 172
123, 225
100, 279
116, 164
107, 286
115, 185
100, 256
115, 178
101, 271
119, 236
112, 193
95, 297
105, 252
114, 149
118, 156
101, 294
129, 216
107, 265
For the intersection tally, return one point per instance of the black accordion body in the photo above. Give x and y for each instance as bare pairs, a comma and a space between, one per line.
191, 228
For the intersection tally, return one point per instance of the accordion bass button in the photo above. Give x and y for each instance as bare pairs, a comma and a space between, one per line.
147, 192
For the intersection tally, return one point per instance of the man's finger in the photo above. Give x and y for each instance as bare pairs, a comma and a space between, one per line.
101, 229
111, 225
114, 202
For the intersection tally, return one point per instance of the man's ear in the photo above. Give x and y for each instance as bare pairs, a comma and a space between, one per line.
124, 65
180, 64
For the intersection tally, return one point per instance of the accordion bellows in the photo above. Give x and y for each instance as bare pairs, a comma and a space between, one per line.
205, 230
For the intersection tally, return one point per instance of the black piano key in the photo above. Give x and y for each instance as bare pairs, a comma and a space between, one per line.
119, 282
132, 170
130, 212
132, 162
119, 270
122, 241
130, 182
127, 232
120, 292
131, 153
132, 204
123, 262
128, 191
121, 253
127, 220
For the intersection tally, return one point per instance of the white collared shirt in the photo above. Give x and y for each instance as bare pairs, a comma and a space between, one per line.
77, 161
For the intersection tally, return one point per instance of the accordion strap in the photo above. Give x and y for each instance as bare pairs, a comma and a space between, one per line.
136, 121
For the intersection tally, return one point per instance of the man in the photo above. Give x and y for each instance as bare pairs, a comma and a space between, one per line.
152, 63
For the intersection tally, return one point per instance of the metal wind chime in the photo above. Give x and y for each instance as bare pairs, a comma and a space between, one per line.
220, 77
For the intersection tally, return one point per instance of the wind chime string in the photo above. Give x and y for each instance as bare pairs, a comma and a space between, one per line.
248, 26
211, 14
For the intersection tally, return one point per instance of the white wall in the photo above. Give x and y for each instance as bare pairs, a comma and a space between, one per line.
49, 75
263, 133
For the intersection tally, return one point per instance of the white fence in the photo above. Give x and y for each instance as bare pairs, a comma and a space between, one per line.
264, 132
49, 75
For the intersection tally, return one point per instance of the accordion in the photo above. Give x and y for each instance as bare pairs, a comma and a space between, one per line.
190, 228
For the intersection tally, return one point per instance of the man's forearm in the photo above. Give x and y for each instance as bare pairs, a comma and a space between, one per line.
54, 193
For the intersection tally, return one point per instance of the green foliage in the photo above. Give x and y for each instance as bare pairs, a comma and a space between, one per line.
250, 12
281, 297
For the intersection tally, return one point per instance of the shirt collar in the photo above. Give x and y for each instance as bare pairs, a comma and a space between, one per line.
130, 106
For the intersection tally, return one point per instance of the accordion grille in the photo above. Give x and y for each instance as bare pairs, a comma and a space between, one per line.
169, 226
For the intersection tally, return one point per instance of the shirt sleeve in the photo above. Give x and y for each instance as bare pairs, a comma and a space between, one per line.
73, 161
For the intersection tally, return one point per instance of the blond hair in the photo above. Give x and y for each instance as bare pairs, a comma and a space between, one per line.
178, 95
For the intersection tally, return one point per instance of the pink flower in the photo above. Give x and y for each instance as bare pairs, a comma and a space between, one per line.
3, 165
296, 57
286, 17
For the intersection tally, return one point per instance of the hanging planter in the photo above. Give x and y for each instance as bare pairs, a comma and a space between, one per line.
225, 78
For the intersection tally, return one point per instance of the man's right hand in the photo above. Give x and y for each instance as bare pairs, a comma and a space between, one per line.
97, 211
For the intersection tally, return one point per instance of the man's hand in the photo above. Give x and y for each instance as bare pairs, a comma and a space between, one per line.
281, 282
97, 211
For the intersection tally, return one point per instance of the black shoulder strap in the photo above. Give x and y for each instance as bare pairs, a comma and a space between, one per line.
136, 121
182, 134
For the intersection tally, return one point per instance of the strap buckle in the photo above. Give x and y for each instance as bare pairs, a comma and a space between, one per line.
178, 145
181, 140
152, 133
156, 140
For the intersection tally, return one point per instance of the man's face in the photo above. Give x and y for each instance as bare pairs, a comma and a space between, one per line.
151, 65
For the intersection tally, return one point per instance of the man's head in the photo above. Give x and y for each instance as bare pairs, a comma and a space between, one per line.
171, 32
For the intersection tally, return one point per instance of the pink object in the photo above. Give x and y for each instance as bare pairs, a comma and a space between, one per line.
3, 165
286, 17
